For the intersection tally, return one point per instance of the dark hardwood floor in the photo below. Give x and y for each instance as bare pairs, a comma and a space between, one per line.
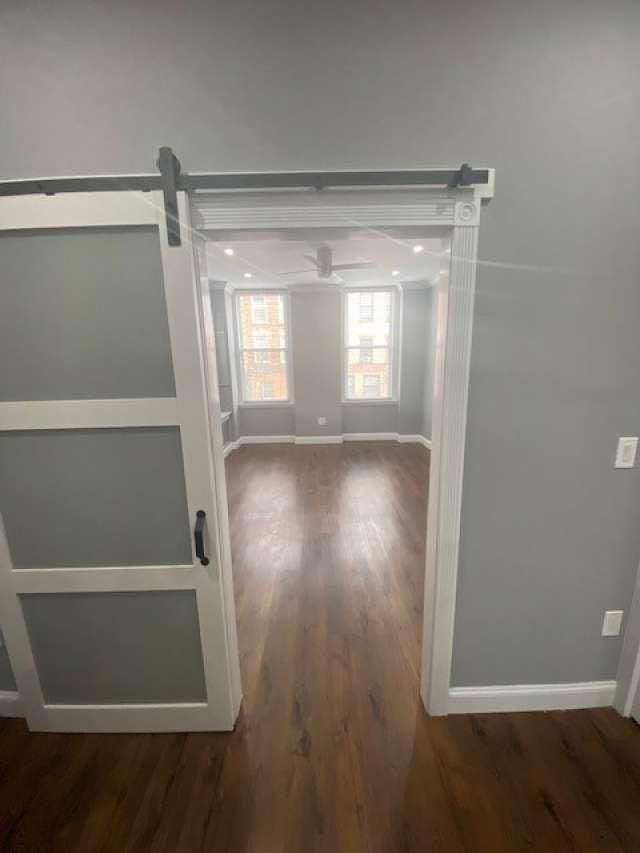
332, 751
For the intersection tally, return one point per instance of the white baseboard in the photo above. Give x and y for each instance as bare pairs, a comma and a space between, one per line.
370, 436
266, 439
318, 439
229, 447
10, 704
415, 439
325, 439
531, 697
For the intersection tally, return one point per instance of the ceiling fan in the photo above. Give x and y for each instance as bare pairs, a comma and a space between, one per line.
324, 267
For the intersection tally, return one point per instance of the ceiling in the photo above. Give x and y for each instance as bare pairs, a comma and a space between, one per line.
257, 259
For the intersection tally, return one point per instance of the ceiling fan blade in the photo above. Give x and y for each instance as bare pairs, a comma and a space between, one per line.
365, 265
420, 282
296, 272
312, 258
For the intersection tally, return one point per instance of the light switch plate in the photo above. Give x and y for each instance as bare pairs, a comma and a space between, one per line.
612, 623
626, 452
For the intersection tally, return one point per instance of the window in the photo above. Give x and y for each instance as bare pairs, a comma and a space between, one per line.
258, 309
261, 339
371, 385
365, 306
369, 345
366, 348
263, 347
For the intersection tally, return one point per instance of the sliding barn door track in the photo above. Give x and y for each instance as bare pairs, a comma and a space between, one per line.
171, 180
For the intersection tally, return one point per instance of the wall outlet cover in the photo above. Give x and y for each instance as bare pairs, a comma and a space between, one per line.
626, 451
612, 623
322, 421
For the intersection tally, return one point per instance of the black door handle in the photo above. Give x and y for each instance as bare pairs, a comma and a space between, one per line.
201, 516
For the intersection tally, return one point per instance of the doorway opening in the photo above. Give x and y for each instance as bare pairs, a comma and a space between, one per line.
325, 343
450, 212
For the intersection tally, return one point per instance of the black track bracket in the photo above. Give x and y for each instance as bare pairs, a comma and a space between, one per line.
169, 167
463, 177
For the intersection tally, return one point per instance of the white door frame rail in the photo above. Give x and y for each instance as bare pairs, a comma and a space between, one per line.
628, 677
458, 211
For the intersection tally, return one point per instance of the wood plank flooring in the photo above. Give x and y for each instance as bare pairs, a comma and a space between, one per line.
332, 751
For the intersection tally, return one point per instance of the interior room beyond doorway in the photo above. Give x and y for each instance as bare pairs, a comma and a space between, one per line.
324, 343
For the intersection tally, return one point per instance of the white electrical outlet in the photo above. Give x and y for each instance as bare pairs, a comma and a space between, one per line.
612, 623
322, 421
626, 452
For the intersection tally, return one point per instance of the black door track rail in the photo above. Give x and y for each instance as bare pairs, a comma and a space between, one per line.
172, 180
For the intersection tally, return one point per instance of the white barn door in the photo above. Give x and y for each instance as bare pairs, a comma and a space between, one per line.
108, 453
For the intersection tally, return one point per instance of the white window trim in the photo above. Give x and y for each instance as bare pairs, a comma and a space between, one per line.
239, 349
394, 349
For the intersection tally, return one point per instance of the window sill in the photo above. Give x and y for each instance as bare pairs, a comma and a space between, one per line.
266, 404
372, 402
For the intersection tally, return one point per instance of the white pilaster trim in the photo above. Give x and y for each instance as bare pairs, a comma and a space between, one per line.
459, 211
628, 675
455, 293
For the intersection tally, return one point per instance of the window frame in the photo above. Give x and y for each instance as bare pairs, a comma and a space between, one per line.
393, 347
240, 349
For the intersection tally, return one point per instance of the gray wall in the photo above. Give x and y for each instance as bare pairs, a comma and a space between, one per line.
218, 310
417, 360
376, 417
65, 493
545, 92
316, 340
266, 420
117, 647
7, 681
54, 288
430, 335
224, 355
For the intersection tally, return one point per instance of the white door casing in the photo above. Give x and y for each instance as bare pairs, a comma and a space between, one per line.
195, 411
627, 697
458, 211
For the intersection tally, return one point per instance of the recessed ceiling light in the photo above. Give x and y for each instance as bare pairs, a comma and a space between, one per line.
417, 249
395, 272
247, 275
229, 251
